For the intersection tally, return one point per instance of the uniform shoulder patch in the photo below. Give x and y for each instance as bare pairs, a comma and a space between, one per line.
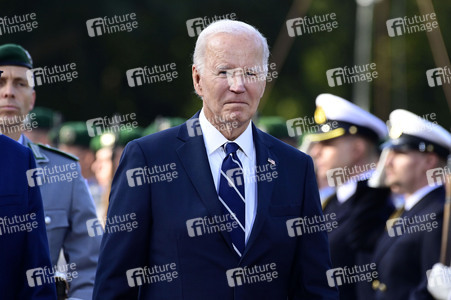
47, 147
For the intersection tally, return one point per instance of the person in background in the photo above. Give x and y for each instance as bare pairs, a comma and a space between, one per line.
345, 151
46, 121
277, 127
108, 149
414, 168
68, 205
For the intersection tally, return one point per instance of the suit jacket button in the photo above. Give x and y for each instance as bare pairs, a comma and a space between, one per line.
376, 284
47, 220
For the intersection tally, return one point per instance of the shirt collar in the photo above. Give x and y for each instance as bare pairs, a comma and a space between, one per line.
411, 201
21, 140
345, 191
214, 139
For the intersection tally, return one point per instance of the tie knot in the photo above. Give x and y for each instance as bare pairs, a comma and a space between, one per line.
231, 147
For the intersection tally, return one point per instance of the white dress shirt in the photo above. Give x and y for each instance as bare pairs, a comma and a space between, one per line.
214, 141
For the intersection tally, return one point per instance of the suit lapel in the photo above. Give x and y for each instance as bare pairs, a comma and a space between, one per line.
195, 162
264, 188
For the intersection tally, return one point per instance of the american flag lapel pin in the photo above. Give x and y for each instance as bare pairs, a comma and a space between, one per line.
271, 161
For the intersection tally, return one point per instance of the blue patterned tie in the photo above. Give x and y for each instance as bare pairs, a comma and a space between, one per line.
231, 194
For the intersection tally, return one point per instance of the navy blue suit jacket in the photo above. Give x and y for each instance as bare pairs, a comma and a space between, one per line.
162, 244
22, 248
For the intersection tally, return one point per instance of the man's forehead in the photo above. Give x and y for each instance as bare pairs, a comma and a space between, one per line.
221, 49
15, 71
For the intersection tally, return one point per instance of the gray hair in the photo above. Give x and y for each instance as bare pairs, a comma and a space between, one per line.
230, 27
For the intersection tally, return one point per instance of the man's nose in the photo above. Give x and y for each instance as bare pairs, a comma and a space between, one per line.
8, 90
236, 82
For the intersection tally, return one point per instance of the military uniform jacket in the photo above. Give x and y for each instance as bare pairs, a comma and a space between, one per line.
68, 205
403, 258
361, 220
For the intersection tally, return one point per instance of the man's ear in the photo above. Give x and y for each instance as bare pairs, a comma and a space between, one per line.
359, 147
196, 80
431, 161
33, 100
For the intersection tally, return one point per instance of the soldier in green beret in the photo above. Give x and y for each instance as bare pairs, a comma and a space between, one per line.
68, 205
42, 121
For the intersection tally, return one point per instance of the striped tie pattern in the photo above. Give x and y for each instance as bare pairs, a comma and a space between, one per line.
231, 194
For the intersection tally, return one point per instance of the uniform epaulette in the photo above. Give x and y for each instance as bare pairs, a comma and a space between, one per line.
47, 147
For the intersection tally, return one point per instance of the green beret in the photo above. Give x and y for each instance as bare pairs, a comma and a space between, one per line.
74, 134
15, 55
95, 143
109, 139
162, 123
273, 125
46, 118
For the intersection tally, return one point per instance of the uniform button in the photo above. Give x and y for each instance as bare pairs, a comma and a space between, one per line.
48, 220
376, 284
382, 287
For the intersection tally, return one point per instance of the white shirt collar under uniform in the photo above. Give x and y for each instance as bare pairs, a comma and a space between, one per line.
346, 190
411, 201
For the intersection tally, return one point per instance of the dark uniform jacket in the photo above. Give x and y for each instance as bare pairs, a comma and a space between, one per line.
411, 247
361, 220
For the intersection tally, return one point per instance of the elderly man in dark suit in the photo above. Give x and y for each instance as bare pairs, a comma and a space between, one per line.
24, 251
217, 202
